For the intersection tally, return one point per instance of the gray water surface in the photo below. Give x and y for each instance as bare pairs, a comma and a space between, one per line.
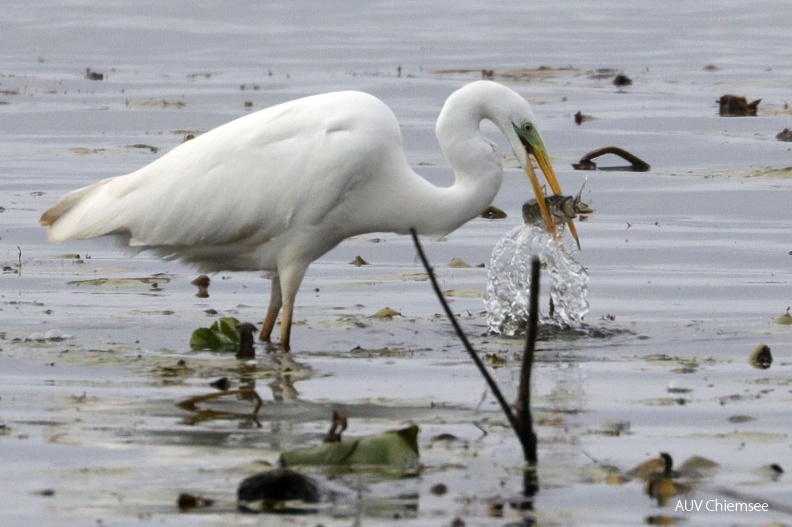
689, 263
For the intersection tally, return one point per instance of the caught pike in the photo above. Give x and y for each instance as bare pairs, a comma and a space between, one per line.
562, 209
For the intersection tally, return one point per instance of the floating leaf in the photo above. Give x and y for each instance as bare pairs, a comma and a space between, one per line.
458, 263
395, 449
84, 151
149, 281
222, 335
741, 419
655, 467
228, 327
387, 312
464, 293
785, 319
493, 213
698, 466
205, 339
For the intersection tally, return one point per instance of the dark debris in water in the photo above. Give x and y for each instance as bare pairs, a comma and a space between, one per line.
187, 502
761, 358
246, 348
141, 146
581, 118
636, 163
222, 384
202, 283
784, 135
737, 106
493, 213
622, 80
268, 491
93, 75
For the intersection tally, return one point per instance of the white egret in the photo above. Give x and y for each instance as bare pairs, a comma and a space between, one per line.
276, 189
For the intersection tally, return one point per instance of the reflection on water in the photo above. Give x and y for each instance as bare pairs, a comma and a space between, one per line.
508, 282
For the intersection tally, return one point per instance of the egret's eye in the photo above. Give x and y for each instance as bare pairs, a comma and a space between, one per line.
527, 128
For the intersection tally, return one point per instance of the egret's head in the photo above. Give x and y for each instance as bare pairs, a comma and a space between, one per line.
530, 142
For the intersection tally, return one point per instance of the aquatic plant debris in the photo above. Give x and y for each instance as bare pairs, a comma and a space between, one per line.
506, 297
270, 490
397, 449
737, 106
636, 163
222, 335
761, 357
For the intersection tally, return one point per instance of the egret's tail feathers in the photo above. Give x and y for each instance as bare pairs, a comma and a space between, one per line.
84, 213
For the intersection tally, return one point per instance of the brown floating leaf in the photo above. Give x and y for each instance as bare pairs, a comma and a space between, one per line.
358, 261
636, 164
737, 106
761, 358
659, 466
188, 502
493, 213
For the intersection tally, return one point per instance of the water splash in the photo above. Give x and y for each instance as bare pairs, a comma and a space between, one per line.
508, 282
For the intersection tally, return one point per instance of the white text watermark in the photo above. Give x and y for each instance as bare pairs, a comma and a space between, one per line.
714, 505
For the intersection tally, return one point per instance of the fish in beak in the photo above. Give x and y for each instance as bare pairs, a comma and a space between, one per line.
534, 147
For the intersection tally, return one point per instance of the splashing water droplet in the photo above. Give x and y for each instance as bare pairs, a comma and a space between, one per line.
508, 283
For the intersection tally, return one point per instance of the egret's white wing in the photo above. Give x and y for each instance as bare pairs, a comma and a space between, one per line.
246, 182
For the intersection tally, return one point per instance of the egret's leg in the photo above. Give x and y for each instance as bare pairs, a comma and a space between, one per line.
285, 335
290, 280
275, 304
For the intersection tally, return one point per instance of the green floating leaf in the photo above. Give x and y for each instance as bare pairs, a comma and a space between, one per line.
394, 449
698, 466
227, 326
222, 335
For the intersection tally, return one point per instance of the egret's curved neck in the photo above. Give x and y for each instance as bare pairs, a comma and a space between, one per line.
474, 158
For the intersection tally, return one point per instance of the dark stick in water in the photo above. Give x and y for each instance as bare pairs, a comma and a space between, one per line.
521, 422
465, 342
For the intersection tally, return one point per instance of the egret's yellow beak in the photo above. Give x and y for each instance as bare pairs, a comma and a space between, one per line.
534, 146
